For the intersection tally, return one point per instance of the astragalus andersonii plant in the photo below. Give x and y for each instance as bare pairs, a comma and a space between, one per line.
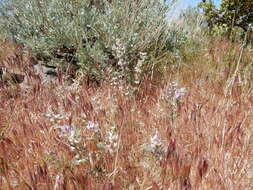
101, 37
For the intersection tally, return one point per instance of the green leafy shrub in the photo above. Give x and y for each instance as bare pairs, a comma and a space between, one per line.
233, 18
115, 39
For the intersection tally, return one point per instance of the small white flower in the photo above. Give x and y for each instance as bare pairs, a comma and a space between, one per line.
92, 126
155, 145
121, 62
112, 139
65, 131
77, 162
172, 91
58, 181
155, 140
143, 55
179, 93
138, 66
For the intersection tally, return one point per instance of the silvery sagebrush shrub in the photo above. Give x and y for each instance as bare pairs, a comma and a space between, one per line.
194, 30
119, 39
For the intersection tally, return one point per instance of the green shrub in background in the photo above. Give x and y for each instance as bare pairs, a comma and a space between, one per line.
119, 39
233, 18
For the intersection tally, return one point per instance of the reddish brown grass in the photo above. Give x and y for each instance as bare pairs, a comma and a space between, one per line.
208, 142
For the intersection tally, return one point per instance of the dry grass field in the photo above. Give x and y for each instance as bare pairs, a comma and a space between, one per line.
193, 130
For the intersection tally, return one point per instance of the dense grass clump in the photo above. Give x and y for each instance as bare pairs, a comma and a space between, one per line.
183, 134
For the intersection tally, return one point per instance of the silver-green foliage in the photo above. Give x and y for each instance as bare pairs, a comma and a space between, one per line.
98, 36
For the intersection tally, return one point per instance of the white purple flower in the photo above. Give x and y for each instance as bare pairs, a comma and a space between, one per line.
179, 93
92, 126
65, 131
